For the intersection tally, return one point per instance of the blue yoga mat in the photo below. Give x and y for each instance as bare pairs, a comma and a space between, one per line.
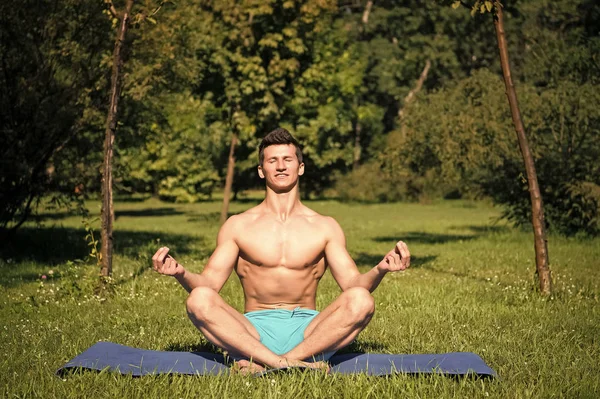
138, 362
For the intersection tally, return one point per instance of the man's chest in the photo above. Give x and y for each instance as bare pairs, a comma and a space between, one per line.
294, 244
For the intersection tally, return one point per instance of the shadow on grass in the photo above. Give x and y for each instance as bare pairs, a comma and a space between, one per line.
255, 201
362, 347
56, 245
482, 230
210, 217
358, 346
201, 346
131, 198
422, 237
365, 259
45, 245
44, 216
165, 211
15, 279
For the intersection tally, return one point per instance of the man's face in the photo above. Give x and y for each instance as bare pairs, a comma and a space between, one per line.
280, 167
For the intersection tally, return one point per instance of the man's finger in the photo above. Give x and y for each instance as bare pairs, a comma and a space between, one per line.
163, 255
157, 254
155, 258
389, 259
397, 261
160, 262
402, 248
385, 257
172, 265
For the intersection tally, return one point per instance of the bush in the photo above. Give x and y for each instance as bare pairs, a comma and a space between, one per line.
464, 137
369, 183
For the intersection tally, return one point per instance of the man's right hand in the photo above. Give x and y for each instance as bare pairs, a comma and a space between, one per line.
166, 264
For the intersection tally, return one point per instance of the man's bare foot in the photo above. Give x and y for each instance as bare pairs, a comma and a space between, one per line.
313, 365
245, 367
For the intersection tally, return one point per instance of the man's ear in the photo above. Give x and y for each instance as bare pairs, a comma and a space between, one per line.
260, 172
301, 169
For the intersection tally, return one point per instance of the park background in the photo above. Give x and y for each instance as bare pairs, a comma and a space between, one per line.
406, 133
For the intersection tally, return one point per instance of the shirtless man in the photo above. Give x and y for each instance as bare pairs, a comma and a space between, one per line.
280, 250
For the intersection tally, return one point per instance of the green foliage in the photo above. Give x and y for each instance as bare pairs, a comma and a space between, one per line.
198, 71
564, 126
470, 143
91, 239
74, 281
180, 157
234, 65
371, 183
52, 72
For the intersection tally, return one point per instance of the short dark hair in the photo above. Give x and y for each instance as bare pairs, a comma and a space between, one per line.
276, 137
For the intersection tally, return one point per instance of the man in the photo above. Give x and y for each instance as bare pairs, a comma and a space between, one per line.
280, 250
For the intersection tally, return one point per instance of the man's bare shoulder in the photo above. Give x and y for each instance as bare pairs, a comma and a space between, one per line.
322, 221
239, 221
249, 215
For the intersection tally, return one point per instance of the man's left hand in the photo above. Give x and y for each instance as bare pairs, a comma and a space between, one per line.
396, 260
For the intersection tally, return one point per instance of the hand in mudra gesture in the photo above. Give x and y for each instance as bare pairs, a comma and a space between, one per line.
165, 264
396, 260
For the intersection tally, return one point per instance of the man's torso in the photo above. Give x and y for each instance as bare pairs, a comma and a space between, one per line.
281, 262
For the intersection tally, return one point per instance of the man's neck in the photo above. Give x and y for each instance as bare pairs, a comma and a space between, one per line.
282, 204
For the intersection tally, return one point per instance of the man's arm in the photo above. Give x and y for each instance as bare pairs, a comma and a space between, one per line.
344, 269
217, 270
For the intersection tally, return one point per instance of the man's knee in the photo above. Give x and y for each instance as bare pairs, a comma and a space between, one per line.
360, 304
200, 301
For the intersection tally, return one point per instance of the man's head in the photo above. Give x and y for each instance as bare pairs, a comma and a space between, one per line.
280, 160
276, 137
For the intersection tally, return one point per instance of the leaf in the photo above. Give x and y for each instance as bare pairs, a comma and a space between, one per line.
456, 4
489, 5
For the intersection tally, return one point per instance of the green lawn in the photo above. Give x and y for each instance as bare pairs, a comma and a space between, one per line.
470, 288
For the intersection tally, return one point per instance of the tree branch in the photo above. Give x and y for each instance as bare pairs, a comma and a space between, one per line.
112, 9
365, 17
411, 94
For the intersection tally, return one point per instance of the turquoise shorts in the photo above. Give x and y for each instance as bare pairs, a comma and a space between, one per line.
281, 330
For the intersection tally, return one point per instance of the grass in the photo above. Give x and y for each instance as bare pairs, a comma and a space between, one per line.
471, 288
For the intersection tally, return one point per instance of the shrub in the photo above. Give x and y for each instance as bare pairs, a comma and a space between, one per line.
370, 183
464, 136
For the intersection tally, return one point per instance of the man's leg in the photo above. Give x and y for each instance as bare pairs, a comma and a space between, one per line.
227, 328
337, 325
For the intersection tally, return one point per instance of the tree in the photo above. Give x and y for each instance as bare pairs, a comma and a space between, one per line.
537, 210
107, 212
52, 85
257, 51
173, 134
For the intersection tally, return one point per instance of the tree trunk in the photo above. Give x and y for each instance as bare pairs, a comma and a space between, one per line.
411, 95
357, 147
107, 213
357, 126
229, 178
537, 210
365, 16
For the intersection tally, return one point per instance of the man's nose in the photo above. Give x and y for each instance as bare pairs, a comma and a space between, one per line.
280, 165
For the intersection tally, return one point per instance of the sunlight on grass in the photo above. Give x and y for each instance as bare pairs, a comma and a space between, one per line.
471, 288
